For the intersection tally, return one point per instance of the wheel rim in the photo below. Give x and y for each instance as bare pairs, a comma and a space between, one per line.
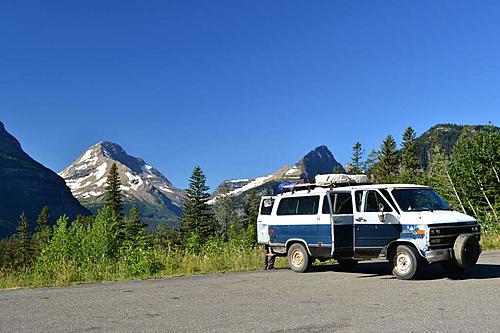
297, 258
403, 263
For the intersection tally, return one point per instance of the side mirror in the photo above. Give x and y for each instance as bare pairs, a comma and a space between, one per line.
381, 216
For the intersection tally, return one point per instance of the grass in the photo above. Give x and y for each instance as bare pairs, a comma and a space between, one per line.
169, 264
490, 241
160, 263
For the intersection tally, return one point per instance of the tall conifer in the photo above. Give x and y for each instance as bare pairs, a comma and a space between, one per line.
197, 217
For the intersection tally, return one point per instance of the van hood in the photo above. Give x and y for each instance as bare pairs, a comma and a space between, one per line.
435, 217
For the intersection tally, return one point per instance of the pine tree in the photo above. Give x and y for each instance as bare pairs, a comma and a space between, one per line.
197, 217
356, 165
371, 161
134, 227
114, 197
475, 167
410, 171
386, 170
252, 205
439, 177
43, 231
23, 243
228, 221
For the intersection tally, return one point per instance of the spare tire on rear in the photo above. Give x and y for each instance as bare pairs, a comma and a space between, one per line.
466, 250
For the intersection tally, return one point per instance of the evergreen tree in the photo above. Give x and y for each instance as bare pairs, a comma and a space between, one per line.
356, 165
197, 217
134, 227
475, 168
439, 177
114, 200
23, 243
371, 161
410, 162
43, 231
225, 215
252, 205
114, 197
386, 170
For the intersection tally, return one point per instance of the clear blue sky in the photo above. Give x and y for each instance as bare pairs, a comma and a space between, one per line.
241, 87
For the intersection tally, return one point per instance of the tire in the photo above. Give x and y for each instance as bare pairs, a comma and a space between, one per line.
466, 250
346, 263
451, 268
298, 258
405, 262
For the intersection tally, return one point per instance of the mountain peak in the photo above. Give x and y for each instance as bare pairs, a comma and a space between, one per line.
141, 184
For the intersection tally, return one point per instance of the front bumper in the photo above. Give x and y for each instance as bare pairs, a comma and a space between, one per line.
438, 255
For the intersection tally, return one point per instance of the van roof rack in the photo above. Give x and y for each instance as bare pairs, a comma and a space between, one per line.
326, 181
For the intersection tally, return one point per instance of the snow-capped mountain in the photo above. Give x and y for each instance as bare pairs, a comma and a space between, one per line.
318, 161
141, 184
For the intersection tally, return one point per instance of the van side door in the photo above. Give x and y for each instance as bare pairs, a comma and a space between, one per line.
342, 223
375, 223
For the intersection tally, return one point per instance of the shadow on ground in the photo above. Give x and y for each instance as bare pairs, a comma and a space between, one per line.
432, 272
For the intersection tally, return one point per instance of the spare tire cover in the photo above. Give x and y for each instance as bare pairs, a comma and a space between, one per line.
466, 250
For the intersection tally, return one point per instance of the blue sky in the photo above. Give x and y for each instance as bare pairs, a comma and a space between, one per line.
241, 87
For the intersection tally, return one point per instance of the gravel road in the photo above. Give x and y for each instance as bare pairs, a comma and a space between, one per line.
364, 299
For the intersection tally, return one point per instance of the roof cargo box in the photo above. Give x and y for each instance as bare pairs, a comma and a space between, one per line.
340, 179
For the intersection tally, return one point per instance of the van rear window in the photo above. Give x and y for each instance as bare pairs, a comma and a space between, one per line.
299, 206
266, 206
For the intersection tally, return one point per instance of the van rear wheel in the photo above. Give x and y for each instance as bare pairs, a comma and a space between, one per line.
298, 258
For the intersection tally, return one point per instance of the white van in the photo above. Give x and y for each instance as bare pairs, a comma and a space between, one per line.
409, 225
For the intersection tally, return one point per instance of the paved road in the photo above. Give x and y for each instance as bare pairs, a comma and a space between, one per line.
365, 299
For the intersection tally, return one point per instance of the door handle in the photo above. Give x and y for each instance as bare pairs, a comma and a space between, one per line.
337, 221
361, 219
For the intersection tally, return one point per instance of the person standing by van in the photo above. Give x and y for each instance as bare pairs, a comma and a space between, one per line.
269, 257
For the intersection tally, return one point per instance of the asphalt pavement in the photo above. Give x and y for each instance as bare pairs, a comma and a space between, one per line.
366, 298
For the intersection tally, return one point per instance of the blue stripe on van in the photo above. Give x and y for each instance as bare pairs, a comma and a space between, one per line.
376, 235
311, 233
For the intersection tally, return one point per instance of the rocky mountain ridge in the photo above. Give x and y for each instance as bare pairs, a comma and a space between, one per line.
141, 184
27, 186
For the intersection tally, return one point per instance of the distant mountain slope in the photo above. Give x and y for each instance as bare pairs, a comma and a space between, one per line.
142, 185
318, 161
445, 135
27, 185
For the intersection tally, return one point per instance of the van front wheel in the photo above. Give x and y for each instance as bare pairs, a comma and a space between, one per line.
405, 263
298, 258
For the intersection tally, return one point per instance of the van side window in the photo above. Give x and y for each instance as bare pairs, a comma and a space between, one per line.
326, 206
343, 203
308, 205
388, 197
266, 206
358, 196
373, 200
299, 206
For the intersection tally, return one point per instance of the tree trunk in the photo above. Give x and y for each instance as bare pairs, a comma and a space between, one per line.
455, 191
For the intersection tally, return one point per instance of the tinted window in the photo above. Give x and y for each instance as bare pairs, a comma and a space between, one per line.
308, 205
373, 200
266, 206
299, 206
358, 196
343, 203
288, 206
388, 197
326, 206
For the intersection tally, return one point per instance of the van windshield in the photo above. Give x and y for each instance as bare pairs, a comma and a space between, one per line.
419, 199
